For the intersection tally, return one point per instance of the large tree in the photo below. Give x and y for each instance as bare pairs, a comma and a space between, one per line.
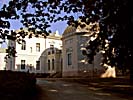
112, 16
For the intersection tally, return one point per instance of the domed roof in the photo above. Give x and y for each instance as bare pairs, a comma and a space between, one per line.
69, 29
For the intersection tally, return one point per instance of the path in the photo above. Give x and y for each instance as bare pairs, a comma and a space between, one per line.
60, 90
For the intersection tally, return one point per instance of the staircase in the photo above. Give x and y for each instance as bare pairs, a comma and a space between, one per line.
56, 75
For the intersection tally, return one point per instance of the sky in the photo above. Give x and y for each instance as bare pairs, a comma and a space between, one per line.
58, 26
16, 24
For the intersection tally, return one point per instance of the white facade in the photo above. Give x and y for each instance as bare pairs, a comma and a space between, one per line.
30, 56
2, 60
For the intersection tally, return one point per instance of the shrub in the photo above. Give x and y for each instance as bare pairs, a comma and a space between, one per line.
16, 85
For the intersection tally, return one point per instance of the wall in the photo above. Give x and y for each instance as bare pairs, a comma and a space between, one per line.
30, 55
70, 46
80, 66
2, 61
57, 60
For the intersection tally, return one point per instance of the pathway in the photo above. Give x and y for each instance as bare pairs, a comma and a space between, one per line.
61, 90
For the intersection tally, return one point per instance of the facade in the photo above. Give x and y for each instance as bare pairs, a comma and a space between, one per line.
30, 55
74, 62
55, 54
53, 61
2, 60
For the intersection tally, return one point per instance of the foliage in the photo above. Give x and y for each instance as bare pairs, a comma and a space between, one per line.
112, 16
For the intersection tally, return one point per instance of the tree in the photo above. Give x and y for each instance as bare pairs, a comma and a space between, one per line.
112, 16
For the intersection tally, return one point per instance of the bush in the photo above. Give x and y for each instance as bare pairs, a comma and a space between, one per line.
18, 85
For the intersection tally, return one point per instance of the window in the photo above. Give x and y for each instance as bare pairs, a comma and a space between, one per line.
52, 64
52, 51
22, 64
30, 49
48, 64
37, 65
69, 58
48, 52
38, 47
51, 46
23, 47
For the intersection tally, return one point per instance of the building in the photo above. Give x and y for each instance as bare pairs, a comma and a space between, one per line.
2, 58
31, 53
74, 62
53, 61
53, 54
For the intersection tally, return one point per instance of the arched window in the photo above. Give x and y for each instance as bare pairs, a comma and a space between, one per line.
48, 52
48, 64
52, 64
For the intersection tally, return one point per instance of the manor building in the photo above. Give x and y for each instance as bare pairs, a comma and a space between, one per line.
56, 54
2, 58
32, 52
75, 64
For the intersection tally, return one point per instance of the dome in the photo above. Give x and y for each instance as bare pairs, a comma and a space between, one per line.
69, 29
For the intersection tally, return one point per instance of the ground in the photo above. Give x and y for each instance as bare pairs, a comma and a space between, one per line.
69, 89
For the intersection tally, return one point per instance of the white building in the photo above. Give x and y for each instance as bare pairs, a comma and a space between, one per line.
74, 62
53, 61
30, 54
2, 58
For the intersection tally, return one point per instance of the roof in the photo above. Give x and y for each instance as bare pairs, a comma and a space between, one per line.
69, 29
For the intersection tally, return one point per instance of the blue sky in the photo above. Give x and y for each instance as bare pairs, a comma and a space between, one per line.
16, 24
60, 26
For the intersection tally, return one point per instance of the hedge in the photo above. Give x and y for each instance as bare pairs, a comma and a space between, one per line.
16, 85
